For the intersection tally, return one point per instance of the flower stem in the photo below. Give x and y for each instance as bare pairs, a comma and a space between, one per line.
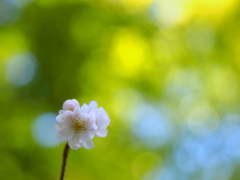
65, 155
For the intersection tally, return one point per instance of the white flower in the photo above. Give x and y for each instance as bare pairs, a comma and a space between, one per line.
77, 127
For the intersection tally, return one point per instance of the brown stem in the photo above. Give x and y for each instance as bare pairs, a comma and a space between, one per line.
65, 155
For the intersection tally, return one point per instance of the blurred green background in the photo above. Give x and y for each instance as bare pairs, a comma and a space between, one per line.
166, 71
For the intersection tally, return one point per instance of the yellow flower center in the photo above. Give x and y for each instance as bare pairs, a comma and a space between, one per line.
78, 126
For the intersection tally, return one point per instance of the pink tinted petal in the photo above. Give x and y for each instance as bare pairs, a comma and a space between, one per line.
88, 145
64, 134
101, 132
70, 104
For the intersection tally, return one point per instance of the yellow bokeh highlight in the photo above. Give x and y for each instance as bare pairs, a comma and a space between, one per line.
129, 52
137, 4
173, 12
214, 9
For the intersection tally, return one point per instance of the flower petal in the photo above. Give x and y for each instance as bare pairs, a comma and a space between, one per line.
91, 125
85, 136
66, 123
70, 104
84, 116
102, 123
102, 132
61, 112
84, 108
93, 115
77, 113
88, 145
65, 134
59, 118
101, 113
74, 142
58, 126
73, 146
93, 105
66, 116
92, 133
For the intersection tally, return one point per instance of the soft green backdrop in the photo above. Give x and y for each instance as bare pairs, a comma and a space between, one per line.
166, 71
